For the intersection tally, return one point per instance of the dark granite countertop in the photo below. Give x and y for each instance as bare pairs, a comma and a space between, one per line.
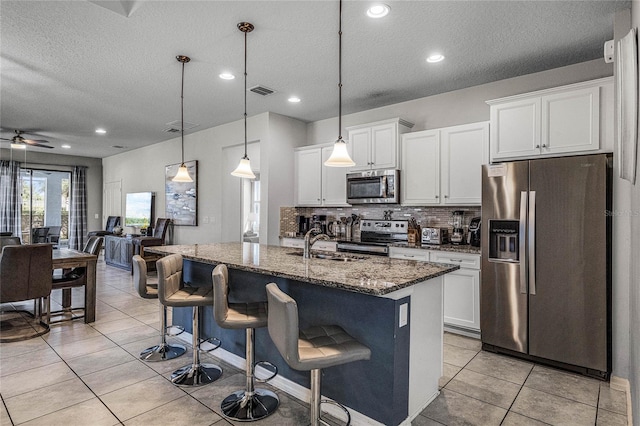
375, 275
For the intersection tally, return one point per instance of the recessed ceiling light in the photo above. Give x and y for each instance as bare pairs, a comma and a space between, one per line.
378, 11
435, 58
65, 146
101, 131
294, 99
227, 76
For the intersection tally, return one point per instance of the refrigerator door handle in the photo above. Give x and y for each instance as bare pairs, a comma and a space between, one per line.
532, 242
522, 240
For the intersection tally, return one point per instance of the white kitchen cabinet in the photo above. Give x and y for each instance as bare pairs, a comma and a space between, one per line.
407, 253
559, 121
316, 184
463, 151
375, 145
443, 166
461, 289
420, 174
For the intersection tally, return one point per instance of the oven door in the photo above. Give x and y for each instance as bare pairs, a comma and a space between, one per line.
361, 189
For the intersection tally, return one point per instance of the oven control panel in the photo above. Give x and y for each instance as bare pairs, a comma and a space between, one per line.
384, 226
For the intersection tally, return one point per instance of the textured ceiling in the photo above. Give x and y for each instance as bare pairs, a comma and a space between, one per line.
69, 67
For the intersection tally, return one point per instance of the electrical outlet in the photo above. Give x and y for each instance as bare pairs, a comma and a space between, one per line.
205, 220
404, 315
96, 216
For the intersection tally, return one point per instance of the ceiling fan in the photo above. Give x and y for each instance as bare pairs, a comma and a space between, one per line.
18, 139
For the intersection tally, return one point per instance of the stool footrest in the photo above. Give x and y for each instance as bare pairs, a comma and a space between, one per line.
326, 401
199, 375
270, 366
211, 340
168, 332
162, 352
245, 407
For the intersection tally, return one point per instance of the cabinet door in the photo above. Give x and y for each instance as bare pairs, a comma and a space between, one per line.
571, 121
384, 146
308, 174
360, 141
420, 177
462, 298
464, 149
334, 181
515, 129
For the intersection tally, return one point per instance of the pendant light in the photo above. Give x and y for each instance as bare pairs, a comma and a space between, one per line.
183, 173
340, 156
244, 168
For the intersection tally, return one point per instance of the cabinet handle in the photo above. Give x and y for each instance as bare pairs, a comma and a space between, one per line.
409, 255
446, 196
537, 146
544, 146
318, 199
437, 196
456, 260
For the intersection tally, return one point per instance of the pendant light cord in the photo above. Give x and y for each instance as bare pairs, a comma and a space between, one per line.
182, 114
340, 75
245, 95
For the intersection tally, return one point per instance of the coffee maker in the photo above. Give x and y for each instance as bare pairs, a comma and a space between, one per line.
457, 219
474, 232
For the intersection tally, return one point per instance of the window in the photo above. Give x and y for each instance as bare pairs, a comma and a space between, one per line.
45, 203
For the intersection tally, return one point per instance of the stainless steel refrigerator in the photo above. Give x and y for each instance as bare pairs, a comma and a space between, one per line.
546, 261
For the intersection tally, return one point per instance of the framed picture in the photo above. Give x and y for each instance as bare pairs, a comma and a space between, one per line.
181, 198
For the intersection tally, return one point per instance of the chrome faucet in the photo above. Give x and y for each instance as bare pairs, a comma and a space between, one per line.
309, 241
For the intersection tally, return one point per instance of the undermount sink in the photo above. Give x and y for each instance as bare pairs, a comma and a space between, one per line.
341, 257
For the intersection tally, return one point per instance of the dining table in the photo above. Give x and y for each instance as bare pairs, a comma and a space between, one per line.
65, 258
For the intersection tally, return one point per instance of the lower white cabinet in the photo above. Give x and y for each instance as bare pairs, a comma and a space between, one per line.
461, 287
299, 243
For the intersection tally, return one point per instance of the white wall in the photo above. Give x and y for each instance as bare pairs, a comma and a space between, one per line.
143, 170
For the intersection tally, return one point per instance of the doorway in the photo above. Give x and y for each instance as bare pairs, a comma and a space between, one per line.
45, 206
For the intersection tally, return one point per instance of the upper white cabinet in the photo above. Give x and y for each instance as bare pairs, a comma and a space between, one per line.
316, 184
375, 145
443, 166
569, 119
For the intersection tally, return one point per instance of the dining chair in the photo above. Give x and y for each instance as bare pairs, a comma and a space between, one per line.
39, 235
157, 239
112, 222
25, 274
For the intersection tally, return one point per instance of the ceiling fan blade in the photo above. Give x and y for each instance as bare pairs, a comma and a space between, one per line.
34, 143
30, 141
5, 139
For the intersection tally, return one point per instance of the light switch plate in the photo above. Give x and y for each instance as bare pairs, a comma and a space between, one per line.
95, 216
404, 311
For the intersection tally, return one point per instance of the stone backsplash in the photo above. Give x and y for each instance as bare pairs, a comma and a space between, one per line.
425, 216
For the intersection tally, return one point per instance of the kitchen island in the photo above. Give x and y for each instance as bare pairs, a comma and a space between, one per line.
392, 306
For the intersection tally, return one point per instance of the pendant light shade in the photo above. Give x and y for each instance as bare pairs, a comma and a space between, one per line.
183, 173
244, 168
340, 156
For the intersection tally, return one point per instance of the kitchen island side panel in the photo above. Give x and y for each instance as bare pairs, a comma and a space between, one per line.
377, 388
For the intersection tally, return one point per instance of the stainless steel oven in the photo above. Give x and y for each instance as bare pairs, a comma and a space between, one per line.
373, 187
376, 236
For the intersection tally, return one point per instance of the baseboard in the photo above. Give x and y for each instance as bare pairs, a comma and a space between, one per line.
462, 331
623, 385
288, 386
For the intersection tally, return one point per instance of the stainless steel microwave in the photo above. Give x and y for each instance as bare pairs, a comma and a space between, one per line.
373, 187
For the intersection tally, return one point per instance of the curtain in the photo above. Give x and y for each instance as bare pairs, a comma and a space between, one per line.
78, 214
10, 197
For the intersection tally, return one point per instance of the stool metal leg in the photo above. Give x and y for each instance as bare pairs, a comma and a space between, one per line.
196, 374
250, 404
314, 402
163, 351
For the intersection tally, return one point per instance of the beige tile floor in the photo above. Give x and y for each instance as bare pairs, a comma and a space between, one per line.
81, 374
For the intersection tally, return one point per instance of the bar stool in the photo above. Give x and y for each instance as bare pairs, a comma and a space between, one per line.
311, 349
146, 290
249, 404
173, 292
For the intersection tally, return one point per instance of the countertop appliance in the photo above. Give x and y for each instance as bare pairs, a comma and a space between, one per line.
376, 235
546, 275
457, 220
435, 235
473, 236
373, 187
